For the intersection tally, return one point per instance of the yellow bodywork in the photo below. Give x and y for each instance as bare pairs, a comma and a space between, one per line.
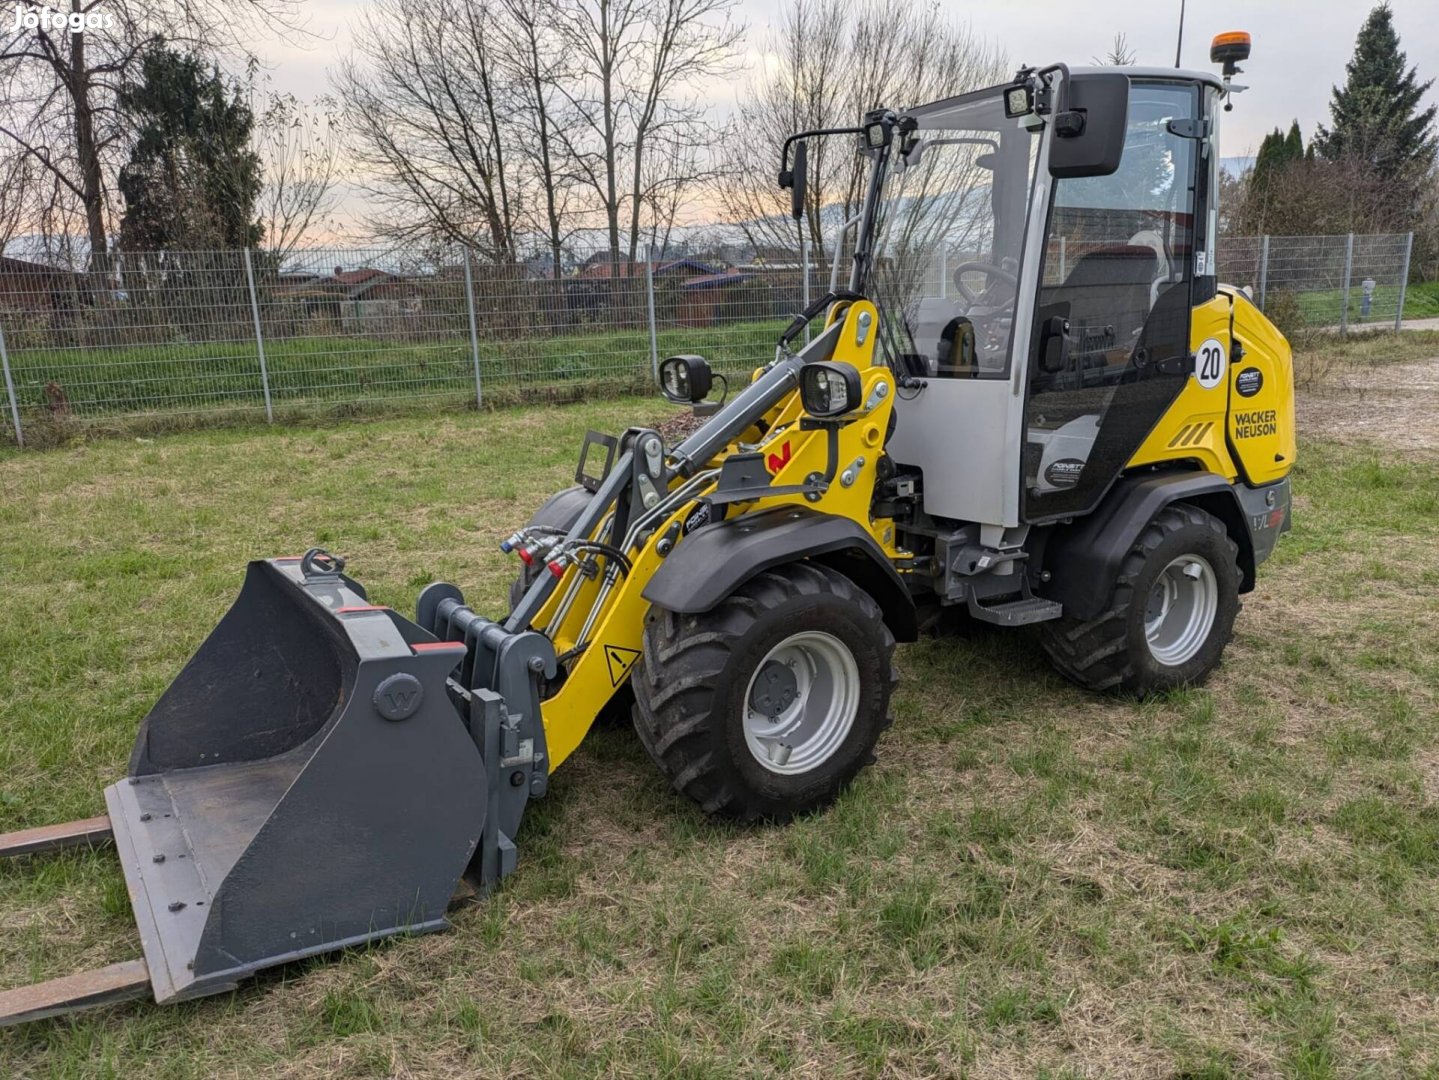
1249, 412
791, 454
1200, 427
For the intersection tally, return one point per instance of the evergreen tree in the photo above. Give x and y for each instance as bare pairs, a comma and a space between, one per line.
192, 178
1376, 117
1276, 153
1294, 143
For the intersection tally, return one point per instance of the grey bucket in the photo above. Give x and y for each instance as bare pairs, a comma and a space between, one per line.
305, 784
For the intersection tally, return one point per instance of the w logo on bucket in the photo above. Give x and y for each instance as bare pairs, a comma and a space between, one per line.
397, 697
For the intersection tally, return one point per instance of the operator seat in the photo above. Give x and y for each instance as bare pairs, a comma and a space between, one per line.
1109, 293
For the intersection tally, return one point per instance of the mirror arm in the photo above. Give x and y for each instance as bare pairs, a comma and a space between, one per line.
1062, 105
786, 178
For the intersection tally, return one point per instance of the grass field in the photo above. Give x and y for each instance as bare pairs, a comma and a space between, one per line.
1234, 881
187, 384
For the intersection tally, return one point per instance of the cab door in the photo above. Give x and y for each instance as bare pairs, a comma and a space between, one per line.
1110, 345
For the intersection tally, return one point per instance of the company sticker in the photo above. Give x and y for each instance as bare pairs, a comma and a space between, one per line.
1064, 473
1248, 382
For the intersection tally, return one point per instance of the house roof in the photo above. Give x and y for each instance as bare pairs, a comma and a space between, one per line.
21, 266
719, 280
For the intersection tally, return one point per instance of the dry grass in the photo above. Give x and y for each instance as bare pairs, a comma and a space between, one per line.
1232, 881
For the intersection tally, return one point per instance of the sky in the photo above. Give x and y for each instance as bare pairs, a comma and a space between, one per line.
1300, 48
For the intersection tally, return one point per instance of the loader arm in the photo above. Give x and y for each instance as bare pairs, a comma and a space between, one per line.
597, 623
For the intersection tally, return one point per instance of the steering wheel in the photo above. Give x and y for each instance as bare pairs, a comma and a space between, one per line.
990, 270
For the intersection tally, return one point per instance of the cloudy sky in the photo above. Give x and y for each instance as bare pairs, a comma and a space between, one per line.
1300, 48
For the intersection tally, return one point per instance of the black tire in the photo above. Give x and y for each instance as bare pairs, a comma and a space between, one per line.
1112, 650
691, 681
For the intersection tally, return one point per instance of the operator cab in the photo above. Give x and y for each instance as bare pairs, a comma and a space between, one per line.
1037, 290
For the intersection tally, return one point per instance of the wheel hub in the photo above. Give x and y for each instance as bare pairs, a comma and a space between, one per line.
774, 689
801, 702
1180, 612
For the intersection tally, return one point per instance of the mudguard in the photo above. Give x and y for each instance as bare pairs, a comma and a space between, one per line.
710, 563
1084, 558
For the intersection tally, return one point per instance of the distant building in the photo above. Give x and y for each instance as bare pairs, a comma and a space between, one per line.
39, 289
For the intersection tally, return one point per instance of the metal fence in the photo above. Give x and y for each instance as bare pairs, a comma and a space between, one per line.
155, 338
1336, 283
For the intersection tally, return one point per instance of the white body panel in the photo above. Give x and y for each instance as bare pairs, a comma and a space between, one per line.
966, 435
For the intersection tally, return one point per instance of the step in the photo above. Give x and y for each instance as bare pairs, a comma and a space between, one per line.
1031, 609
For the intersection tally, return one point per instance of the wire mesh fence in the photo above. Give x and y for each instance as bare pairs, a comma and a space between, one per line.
169, 338
1337, 283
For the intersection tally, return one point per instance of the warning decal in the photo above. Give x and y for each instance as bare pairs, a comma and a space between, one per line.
620, 661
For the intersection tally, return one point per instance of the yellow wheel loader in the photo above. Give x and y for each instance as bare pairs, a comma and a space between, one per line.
1031, 401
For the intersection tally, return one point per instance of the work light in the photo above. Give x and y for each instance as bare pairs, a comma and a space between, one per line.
685, 379
1019, 101
829, 389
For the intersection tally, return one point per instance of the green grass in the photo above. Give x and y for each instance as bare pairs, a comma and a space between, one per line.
1232, 881
1324, 308
160, 386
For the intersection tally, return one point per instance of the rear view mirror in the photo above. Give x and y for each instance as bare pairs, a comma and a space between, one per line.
797, 182
1087, 133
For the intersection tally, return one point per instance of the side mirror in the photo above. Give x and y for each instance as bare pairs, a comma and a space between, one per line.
794, 179
1087, 135
685, 379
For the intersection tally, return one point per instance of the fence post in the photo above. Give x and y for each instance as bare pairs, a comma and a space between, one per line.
650, 298
474, 326
943, 271
1348, 272
259, 338
1063, 260
1263, 268
10, 390
804, 287
1403, 285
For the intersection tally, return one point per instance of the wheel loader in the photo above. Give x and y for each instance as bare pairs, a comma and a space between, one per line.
1030, 402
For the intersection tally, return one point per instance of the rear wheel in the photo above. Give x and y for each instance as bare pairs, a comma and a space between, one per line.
1169, 617
768, 705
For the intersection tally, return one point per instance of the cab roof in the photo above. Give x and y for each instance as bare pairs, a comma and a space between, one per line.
1206, 78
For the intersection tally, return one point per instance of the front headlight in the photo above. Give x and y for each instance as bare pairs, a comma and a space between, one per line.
829, 389
685, 379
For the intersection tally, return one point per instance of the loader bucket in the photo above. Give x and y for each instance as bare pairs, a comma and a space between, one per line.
305, 784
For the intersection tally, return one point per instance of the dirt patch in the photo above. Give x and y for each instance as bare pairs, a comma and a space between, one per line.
1391, 404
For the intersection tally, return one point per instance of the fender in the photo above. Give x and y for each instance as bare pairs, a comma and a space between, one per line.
710, 563
1086, 555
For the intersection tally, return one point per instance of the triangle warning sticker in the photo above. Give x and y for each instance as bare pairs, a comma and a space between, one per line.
620, 661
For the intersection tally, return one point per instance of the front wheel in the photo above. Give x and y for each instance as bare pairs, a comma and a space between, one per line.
768, 705
1169, 616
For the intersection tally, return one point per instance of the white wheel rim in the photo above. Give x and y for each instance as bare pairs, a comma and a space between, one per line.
798, 714
1182, 607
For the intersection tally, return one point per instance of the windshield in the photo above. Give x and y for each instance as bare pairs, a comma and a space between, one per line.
949, 239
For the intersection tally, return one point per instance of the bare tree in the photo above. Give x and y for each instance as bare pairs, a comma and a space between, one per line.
636, 64
835, 60
298, 147
60, 76
16, 180
422, 103
532, 43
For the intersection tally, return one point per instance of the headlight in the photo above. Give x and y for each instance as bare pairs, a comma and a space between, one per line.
685, 379
829, 389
